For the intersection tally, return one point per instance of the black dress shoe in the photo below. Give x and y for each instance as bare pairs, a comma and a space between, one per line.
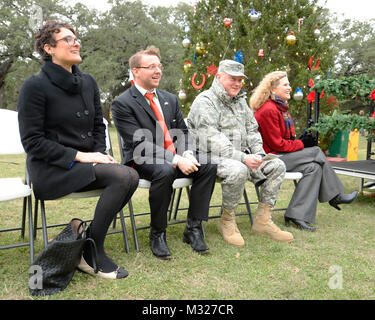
299, 224
158, 244
343, 198
193, 236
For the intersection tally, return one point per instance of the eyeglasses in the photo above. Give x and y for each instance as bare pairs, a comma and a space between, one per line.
70, 40
153, 67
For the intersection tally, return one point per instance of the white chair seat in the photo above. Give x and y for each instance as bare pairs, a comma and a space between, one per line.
13, 188
293, 175
178, 183
84, 194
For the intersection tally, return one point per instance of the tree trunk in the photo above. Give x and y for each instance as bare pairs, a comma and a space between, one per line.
4, 69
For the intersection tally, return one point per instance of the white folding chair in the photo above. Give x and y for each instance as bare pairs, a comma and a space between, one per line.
15, 188
178, 184
81, 195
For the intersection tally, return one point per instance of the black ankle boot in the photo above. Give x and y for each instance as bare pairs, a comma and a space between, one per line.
343, 198
299, 224
158, 244
193, 236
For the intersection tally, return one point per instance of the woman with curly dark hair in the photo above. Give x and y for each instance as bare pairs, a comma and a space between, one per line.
63, 133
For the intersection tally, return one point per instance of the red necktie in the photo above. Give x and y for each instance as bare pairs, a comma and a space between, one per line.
168, 143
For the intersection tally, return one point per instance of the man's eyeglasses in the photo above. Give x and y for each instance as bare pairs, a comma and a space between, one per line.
153, 67
70, 40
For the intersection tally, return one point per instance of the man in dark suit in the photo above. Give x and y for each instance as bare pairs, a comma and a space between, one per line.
156, 144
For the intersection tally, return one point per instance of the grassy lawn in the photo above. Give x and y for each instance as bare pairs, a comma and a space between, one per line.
335, 262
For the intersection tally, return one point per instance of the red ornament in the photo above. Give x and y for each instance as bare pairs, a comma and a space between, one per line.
317, 63
261, 53
198, 86
372, 95
227, 22
311, 96
211, 70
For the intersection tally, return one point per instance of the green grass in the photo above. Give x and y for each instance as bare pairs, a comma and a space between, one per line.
263, 269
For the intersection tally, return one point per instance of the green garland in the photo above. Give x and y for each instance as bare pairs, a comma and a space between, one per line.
347, 88
329, 125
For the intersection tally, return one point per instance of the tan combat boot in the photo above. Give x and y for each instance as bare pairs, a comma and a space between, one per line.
263, 225
228, 228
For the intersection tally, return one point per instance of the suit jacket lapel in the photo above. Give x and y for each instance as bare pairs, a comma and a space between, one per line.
166, 108
142, 101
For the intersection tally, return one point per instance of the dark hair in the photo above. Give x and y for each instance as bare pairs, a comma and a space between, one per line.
135, 59
45, 35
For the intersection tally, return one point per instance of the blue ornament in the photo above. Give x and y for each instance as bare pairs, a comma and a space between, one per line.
254, 15
298, 95
238, 56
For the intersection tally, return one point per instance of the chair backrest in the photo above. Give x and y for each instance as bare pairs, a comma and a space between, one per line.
108, 144
10, 141
121, 147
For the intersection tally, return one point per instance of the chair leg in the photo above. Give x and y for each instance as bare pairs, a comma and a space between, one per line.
202, 229
31, 234
177, 204
134, 229
124, 234
36, 217
114, 223
171, 205
23, 217
248, 206
44, 223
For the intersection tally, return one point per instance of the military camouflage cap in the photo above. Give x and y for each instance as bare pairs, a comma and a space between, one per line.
232, 67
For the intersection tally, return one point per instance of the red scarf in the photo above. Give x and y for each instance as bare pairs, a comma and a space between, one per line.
290, 132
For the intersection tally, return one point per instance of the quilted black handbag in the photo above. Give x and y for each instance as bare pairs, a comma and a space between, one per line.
58, 261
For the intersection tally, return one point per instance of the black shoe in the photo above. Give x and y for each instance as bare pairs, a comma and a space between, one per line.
119, 273
343, 198
299, 224
193, 236
158, 244
90, 254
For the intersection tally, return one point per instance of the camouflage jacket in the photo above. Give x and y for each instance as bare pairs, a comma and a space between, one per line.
224, 127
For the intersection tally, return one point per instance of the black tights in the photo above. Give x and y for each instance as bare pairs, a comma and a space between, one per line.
119, 183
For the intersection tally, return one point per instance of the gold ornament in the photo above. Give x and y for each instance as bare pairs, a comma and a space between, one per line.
187, 66
291, 39
200, 48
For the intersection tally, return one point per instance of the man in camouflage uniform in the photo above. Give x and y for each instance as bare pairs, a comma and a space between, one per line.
224, 127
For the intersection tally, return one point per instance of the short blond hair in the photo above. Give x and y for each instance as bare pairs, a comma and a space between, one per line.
135, 59
264, 89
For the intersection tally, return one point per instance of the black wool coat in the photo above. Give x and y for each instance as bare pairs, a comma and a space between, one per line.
59, 114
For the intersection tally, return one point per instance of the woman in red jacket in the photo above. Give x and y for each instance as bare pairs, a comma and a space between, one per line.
320, 182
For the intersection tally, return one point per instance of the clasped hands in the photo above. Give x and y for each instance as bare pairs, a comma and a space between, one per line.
253, 161
188, 164
94, 157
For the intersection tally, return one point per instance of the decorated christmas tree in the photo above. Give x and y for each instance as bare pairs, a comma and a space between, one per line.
264, 35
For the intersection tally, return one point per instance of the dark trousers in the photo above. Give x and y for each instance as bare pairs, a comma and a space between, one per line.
319, 182
162, 177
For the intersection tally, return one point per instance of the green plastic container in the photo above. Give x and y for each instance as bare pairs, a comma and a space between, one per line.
339, 145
